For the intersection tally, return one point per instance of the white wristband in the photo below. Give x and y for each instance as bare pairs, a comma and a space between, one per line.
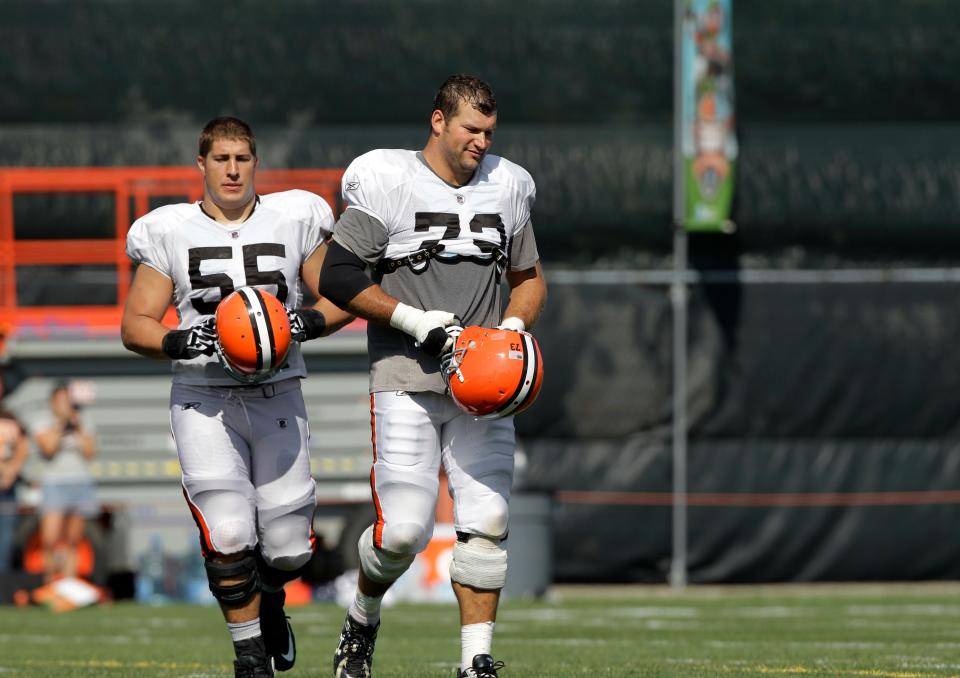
405, 318
512, 323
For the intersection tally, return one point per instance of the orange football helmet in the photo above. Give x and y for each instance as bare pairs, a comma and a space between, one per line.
253, 334
493, 373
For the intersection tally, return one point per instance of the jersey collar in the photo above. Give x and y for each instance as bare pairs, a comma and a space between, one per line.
256, 201
427, 165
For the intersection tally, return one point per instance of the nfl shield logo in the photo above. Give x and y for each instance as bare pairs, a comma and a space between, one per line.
459, 199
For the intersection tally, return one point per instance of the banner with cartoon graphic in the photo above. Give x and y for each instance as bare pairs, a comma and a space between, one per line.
709, 143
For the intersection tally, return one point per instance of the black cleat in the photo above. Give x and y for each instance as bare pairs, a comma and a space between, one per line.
277, 632
252, 661
354, 654
483, 667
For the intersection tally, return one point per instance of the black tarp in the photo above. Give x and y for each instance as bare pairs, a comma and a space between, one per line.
824, 430
552, 61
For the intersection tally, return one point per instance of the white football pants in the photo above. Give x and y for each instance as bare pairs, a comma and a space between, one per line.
412, 434
246, 468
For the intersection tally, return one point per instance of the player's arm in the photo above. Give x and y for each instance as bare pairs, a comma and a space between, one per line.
147, 300
344, 280
528, 289
332, 317
528, 294
141, 330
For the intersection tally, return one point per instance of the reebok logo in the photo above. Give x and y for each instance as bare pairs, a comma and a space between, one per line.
190, 406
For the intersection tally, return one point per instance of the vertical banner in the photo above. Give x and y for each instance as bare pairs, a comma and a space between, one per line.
708, 139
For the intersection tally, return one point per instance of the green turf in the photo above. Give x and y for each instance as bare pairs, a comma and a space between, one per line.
884, 631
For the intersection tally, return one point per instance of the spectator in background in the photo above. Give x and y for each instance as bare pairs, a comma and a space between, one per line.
14, 447
68, 495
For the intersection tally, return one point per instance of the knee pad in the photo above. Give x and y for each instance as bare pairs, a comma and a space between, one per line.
274, 576
405, 539
479, 562
379, 565
243, 574
225, 517
232, 536
494, 518
285, 543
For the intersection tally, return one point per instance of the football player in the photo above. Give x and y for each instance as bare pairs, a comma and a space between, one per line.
242, 448
438, 228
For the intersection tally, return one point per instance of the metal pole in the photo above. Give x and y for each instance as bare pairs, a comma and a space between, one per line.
678, 298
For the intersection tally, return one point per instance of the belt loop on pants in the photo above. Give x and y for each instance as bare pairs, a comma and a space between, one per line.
268, 390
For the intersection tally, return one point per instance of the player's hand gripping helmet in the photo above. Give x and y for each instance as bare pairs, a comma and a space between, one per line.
253, 334
493, 373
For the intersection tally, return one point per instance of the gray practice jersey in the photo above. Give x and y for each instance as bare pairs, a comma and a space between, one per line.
398, 207
207, 260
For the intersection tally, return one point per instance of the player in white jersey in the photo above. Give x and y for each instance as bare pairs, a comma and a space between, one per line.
438, 229
242, 448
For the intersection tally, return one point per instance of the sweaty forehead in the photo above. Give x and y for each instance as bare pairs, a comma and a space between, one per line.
227, 146
468, 115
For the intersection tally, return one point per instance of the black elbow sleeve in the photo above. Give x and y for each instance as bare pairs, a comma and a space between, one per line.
343, 276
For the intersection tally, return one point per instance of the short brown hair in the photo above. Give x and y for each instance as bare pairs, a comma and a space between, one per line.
468, 88
226, 128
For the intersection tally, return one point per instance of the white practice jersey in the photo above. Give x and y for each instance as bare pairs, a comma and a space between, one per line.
207, 260
398, 207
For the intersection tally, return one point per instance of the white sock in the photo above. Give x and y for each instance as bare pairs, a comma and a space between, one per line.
366, 609
474, 639
244, 630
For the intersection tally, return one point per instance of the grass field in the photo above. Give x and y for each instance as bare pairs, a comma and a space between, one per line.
896, 631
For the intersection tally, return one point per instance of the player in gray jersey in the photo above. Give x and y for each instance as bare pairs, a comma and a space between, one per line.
243, 450
423, 245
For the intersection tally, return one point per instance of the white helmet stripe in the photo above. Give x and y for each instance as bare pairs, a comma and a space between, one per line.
262, 332
529, 377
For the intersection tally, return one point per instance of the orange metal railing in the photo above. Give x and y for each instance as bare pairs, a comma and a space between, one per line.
132, 188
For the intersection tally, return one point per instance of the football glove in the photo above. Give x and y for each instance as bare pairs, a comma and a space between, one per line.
306, 324
512, 323
447, 356
187, 344
441, 345
428, 328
